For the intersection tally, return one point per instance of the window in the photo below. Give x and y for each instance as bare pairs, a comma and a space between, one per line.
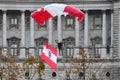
96, 47
0, 49
55, 23
1, 22
13, 22
70, 41
27, 22
40, 41
97, 22
13, 40
13, 44
70, 22
82, 25
41, 27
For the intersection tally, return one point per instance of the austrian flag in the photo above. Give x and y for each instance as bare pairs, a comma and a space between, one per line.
49, 55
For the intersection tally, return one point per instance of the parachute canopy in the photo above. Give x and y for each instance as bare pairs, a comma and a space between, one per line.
49, 11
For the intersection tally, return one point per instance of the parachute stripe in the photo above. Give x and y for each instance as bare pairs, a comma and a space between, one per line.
43, 14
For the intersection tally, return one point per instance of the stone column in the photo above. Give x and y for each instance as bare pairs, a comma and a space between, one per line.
111, 50
86, 30
4, 32
77, 32
4, 29
59, 28
32, 48
50, 30
23, 29
22, 49
77, 38
103, 54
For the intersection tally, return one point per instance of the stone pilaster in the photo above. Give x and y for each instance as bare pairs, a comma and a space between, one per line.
116, 40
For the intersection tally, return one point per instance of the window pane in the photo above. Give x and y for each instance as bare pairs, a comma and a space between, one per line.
13, 22
1, 23
70, 22
97, 23
40, 41
27, 22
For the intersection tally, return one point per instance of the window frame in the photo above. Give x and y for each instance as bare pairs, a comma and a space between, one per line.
13, 18
71, 24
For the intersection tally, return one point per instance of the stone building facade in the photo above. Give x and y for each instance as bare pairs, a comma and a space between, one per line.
20, 35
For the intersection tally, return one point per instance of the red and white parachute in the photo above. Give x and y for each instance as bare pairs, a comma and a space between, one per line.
49, 11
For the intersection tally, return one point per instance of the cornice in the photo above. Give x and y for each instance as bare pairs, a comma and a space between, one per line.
117, 5
31, 1
33, 6
113, 0
54, 1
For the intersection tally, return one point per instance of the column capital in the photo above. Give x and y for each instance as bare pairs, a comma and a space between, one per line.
111, 10
59, 15
103, 10
86, 29
65, 14
85, 10
23, 28
4, 29
4, 10
22, 10
31, 10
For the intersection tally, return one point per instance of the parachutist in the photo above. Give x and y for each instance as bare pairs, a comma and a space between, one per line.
59, 46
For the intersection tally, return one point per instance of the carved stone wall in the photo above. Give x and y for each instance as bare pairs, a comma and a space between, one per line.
116, 42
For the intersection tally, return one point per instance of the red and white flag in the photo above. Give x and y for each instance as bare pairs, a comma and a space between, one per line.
49, 55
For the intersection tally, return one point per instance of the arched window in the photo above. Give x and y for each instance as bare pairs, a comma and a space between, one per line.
13, 40
13, 44
40, 41
69, 41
